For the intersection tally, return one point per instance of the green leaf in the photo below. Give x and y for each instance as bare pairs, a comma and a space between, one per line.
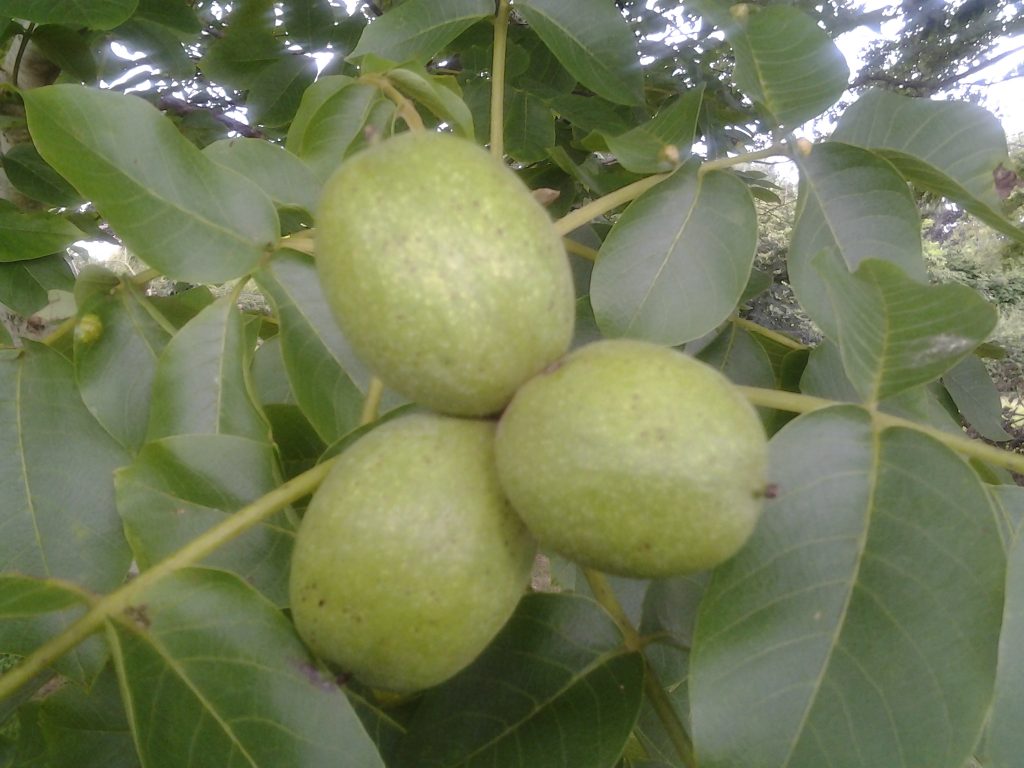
115, 371
88, 729
1009, 504
1005, 742
201, 385
249, 44
73, 50
649, 147
855, 203
173, 14
34, 610
950, 148
529, 128
104, 15
418, 29
30, 235
676, 262
743, 361
326, 377
285, 178
593, 41
438, 93
25, 285
162, 46
533, 698
862, 637
179, 487
275, 93
175, 209
58, 519
309, 23
785, 62
32, 176
976, 397
894, 333
329, 124
209, 668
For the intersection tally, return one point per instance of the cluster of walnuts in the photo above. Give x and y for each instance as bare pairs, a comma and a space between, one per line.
450, 282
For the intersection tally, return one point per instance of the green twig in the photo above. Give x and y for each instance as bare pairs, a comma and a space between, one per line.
966, 446
197, 549
576, 219
659, 700
768, 333
146, 276
498, 80
299, 241
67, 325
405, 108
26, 36
747, 157
371, 404
580, 249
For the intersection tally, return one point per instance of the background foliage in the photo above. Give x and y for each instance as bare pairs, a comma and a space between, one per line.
163, 418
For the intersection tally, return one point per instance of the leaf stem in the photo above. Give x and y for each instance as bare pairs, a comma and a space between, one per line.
371, 404
580, 249
60, 331
604, 595
191, 553
747, 157
975, 449
768, 333
145, 276
582, 215
299, 241
498, 80
406, 109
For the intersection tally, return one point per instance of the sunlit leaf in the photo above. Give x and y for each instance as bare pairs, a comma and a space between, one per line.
785, 62
676, 262
593, 41
418, 29
179, 487
105, 15
861, 637
200, 385
533, 698
658, 144
950, 148
203, 660
115, 371
855, 203
174, 208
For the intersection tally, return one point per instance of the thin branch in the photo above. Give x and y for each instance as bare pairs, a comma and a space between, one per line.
498, 80
181, 108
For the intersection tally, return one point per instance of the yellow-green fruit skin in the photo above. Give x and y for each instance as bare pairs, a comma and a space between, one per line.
634, 459
444, 273
409, 559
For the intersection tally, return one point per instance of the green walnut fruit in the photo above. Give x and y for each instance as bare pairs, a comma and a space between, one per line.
634, 459
409, 559
444, 273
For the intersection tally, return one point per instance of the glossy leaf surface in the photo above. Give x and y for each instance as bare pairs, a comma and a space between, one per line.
676, 262
177, 210
861, 637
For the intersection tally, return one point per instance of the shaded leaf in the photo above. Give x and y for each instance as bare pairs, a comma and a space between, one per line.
1009, 504
173, 14
275, 93
438, 93
534, 696
743, 361
676, 262
309, 23
25, 285
210, 664
326, 377
976, 397
784, 62
175, 209
105, 15
861, 637
593, 41
162, 46
200, 385
115, 371
950, 148
285, 178
1005, 740
529, 128
895, 334
179, 487
30, 235
418, 29
33, 176
855, 203
247, 45
657, 145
